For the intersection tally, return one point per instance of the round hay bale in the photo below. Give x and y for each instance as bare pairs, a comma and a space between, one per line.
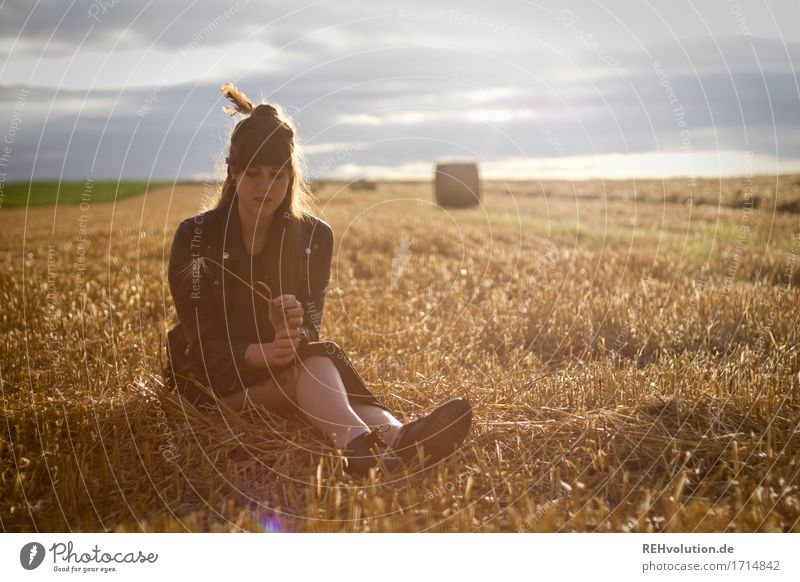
363, 185
458, 184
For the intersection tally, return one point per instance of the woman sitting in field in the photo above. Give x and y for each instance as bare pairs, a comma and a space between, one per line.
248, 279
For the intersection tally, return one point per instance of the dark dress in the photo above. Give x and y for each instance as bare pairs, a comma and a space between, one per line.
215, 285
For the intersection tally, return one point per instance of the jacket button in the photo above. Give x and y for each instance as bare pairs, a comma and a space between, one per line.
225, 255
308, 251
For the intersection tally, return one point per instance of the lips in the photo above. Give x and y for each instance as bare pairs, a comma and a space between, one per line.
262, 199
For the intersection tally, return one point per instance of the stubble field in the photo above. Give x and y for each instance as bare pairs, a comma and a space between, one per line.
630, 350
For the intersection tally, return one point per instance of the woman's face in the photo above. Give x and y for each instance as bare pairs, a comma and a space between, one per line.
261, 189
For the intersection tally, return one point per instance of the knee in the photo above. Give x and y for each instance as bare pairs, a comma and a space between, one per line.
317, 362
324, 350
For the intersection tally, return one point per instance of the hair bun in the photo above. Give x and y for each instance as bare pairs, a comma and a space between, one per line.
265, 110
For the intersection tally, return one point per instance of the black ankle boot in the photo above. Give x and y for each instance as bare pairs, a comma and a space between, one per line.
439, 433
368, 450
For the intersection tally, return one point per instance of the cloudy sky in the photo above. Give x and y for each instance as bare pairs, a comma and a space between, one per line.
120, 89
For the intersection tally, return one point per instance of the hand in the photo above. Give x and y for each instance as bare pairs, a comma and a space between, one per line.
275, 353
285, 311
282, 349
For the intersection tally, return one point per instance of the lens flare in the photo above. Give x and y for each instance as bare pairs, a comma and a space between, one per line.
270, 524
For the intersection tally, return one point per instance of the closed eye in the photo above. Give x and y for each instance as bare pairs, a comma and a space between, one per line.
273, 173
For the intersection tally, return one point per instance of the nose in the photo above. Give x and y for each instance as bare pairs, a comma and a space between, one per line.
268, 183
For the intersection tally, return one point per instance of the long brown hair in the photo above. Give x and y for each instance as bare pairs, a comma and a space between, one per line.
266, 137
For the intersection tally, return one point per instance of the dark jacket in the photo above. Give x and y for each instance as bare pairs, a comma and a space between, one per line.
215, 283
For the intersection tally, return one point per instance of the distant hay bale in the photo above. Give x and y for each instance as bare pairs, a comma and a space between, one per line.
363, 185
458, 184
792, 206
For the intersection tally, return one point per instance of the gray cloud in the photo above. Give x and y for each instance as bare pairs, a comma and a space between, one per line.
737, 92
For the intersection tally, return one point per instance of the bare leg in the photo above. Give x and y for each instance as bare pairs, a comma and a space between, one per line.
375, 416
322, 398
266, 394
